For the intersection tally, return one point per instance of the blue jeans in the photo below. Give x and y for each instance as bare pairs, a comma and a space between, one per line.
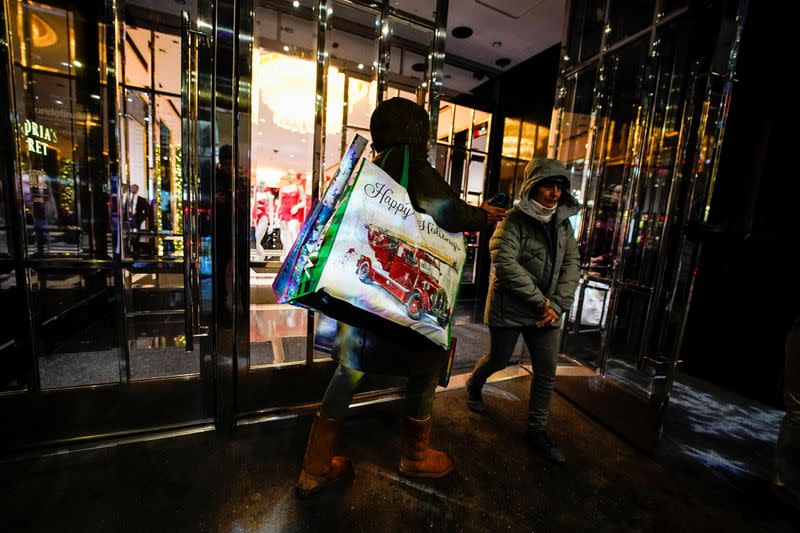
542, 343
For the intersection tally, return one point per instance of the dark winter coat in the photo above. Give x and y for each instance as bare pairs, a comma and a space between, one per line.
395, 125
528, 266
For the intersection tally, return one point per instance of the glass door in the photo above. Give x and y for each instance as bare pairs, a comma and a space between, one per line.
640, 131
318, 69
105, 218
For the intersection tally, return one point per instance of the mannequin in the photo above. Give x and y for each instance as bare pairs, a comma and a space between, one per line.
263, 205
291, 209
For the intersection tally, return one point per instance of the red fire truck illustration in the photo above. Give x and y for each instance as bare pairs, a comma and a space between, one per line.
409, 273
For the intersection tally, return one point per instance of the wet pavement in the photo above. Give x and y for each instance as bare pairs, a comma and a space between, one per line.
204, 482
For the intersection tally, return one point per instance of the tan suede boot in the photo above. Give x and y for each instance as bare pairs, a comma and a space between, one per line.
418, 459
320, 467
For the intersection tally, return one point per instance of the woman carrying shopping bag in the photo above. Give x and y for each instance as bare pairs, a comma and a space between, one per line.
398, 127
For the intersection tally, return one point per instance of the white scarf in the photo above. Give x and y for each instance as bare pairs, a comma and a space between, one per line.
540, 212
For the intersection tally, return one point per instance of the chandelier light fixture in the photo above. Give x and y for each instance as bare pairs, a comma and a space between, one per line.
287, 86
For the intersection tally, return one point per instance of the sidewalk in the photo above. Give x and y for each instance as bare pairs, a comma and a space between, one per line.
203, 483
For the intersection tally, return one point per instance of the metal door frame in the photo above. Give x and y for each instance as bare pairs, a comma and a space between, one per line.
46, 418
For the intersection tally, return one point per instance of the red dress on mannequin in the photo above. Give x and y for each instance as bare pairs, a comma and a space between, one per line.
289, 200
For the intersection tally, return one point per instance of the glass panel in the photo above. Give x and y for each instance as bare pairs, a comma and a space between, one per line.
585, 30
169, 182
480, 132
542, 137
152, 195
12, 354
508, 172
619, 131
442, 158
410, 65
511, 133
62, 177
73, 350
519, 177
475, 178
138, 188
138, 57
587, 321
282, 123
457, 169
156, 332
472, 239
461, 124
444, 127
167, 59
574, 140
625, 343
527, 141
649, 211
361, 98
628, 18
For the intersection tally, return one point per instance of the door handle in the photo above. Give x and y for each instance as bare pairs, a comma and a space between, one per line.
191, 40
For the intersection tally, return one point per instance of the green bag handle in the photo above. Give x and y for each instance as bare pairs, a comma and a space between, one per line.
404, 174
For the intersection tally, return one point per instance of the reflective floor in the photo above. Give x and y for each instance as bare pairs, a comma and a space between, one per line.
204, 483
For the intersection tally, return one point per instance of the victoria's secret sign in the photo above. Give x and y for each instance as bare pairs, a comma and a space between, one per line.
38, 137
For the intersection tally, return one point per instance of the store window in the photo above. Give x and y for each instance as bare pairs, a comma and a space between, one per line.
462, 141
283, 125
522, 141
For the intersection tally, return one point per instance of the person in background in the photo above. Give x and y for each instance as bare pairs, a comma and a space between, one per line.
534, 276
136, 213
396, 123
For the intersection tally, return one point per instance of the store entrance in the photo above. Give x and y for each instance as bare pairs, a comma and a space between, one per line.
315, 81
105, 236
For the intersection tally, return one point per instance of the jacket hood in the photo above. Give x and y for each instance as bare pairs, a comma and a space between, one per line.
399, 121
538, 170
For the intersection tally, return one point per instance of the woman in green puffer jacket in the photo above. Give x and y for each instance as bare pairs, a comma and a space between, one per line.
395, 125
535, 272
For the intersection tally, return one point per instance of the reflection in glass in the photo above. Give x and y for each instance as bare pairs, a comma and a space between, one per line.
12, 328
585, 30
156, 331
619, 130
511, 137
284, 73
74, 351
629, 18
58, 125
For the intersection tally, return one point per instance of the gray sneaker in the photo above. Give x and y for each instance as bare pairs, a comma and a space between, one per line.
542, 443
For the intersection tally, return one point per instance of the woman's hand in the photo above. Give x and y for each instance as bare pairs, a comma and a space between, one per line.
496, 214
547, 317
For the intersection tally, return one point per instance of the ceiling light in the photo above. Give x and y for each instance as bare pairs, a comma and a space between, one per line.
497, 44
77, 63
361, 66
462, 32
295, 4
285, 48
288, 88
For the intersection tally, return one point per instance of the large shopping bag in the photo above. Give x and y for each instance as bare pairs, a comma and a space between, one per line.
285, 284
379, 262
